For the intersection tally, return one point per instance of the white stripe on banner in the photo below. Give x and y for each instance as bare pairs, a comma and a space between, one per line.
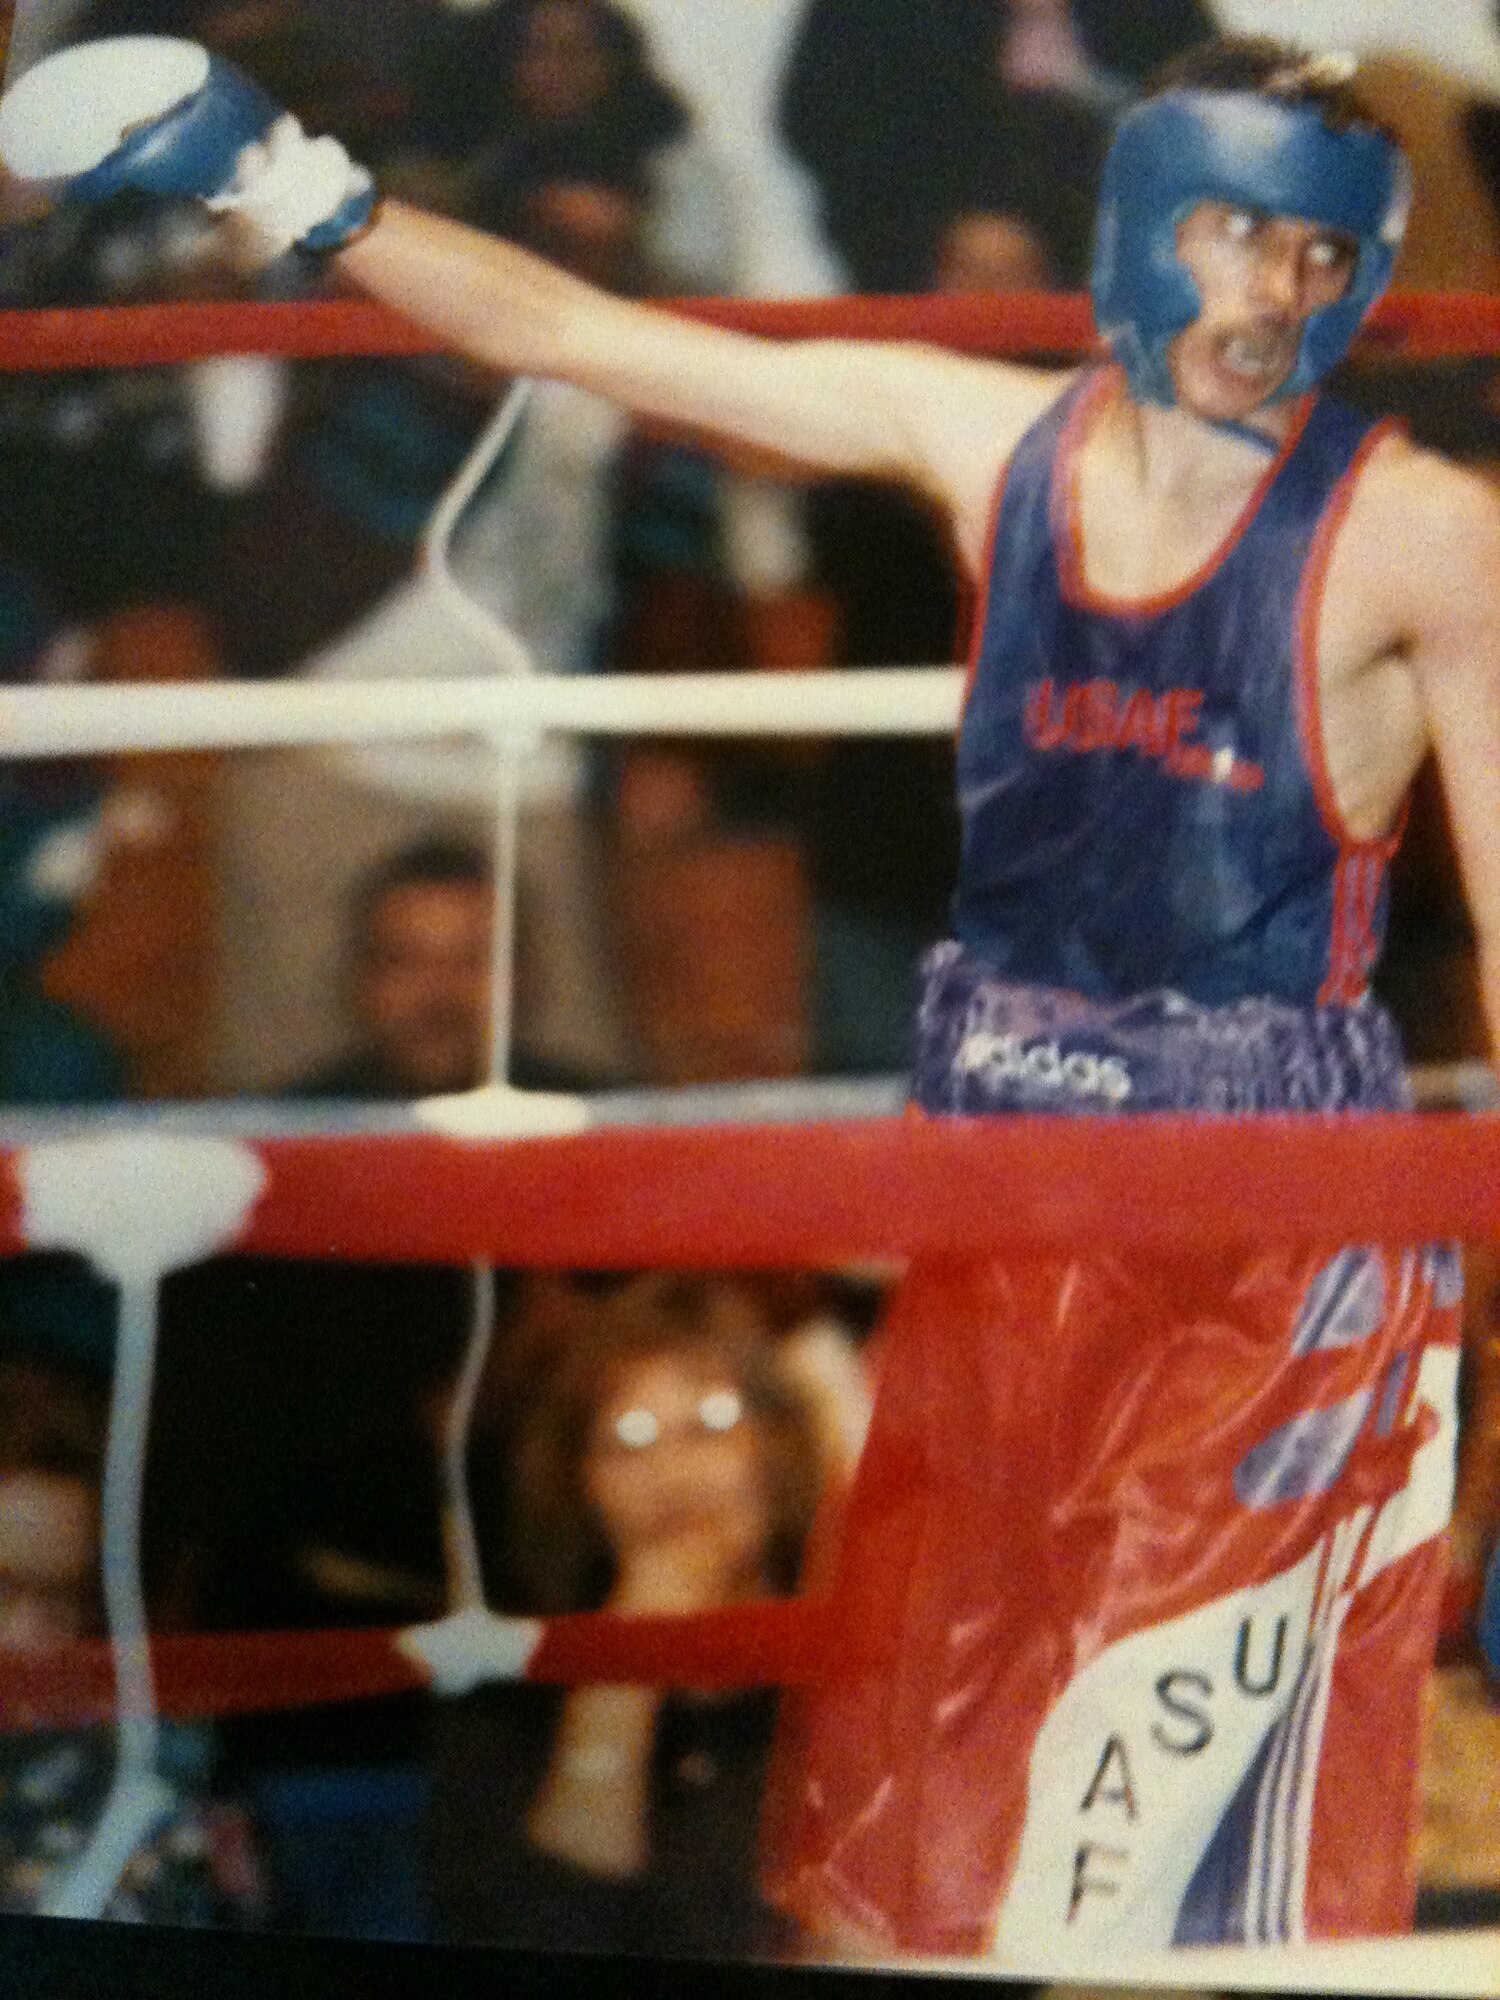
1139, 1761
1284, 1829
1145, 1750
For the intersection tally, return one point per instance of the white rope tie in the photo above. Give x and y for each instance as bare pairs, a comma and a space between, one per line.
136, 1208
460, 1539
138, 1798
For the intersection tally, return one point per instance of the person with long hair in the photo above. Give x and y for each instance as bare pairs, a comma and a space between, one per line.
661, 1462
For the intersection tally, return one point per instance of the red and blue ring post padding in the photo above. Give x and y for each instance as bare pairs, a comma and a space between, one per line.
774, 1196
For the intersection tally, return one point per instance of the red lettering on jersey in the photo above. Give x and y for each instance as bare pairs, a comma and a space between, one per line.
1046, 725
1098, 717
1142, 725
1075, 701
1101, 715
1191, 760
1181, 707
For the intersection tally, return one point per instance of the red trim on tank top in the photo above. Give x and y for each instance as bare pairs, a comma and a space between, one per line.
1361, 866
1066, 513
1353, 946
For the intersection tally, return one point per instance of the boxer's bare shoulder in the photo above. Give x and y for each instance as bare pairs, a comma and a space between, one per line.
972, 415
1416, 574
1425, 526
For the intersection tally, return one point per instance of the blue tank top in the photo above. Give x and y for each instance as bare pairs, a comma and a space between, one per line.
1142, 788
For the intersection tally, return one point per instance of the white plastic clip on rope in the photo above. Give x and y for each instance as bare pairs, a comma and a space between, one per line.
471, 1648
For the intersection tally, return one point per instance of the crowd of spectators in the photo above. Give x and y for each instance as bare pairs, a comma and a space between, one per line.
683, 915
279, 505
638, 1443
283, 503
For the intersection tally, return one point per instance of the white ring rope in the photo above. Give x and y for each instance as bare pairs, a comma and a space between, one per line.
506, 870
214, 715
136, 1210
512, 658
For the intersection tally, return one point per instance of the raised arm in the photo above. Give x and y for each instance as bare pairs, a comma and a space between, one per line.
161, 114
933, 420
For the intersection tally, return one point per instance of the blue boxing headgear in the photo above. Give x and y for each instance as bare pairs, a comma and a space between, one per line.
1270, 155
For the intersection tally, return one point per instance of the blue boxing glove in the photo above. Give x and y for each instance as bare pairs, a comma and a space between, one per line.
165, 116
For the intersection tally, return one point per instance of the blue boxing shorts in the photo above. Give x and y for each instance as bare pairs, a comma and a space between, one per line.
1150, 1549
986, 1044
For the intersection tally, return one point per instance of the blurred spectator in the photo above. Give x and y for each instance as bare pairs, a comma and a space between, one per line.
198, 1865
419, 971
51, 1053
877, 815
105, 496
1452, 240
362, 452
50, 848
987, 250
895, 109
319, 577
660, 1463
727, 60
562, 135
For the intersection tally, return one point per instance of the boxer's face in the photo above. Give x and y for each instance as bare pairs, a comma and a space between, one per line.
1261, 278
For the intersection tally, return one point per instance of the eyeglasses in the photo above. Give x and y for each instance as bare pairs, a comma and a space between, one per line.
638, 1428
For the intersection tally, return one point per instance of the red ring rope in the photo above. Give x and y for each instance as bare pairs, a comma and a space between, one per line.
1417, 326
780, 1196
201, 1675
